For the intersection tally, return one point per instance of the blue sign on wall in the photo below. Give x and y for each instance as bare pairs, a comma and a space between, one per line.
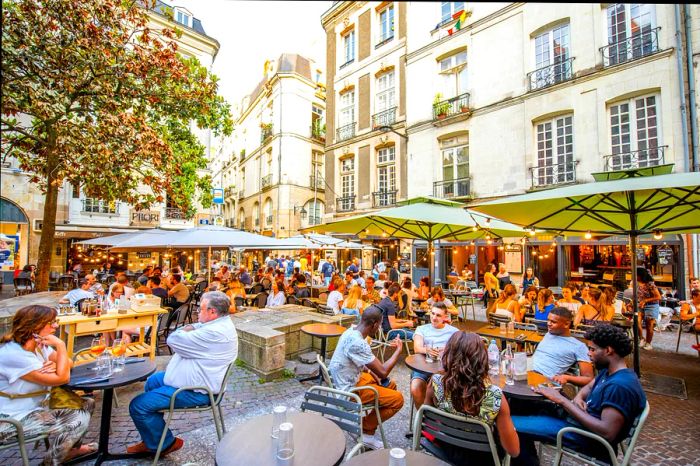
218, 195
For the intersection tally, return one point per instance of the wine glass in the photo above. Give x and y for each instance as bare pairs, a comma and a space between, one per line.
118, 351
97, 347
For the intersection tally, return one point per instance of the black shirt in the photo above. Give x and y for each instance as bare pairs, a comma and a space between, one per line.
388, 308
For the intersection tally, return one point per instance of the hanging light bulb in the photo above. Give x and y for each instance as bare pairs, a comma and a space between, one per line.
658, 234
522, 240
546, 256
80, 256
367, 230
472, 243
454, 251
120, 262
534, 253
475, 228
500, 248
488, 241
588, 235
532, 232
540, 257
488, 237
384, 235
130, 264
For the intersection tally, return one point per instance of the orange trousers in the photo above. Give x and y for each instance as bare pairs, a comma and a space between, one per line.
390, 402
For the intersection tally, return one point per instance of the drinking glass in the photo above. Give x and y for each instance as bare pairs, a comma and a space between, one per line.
119, 354
428, 351
97, 348
279, 416
285, 442
104, 365
397, 457
502, 330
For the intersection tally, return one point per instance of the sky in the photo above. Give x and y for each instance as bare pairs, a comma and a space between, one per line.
251, 32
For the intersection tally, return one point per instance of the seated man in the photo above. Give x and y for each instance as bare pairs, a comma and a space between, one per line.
370, 293
95, 286
123, 280
201, 355
558, 351
350, 356
156, 288
607, 406
82, 292
436, 334
178, 294
392, 326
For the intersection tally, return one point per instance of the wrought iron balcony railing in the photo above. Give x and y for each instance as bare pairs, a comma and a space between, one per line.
345, 132
98, 206
316, 182
173, 213
384, 198
385, 118
268, 220
347, 63
241, 194
553, 174
345, 204
446, 189
451, 107
635, 159
550, 75
265, 132
631, 48
384, 38
266, 181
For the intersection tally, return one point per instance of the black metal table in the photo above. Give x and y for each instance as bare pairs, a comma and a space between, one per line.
323, 331
132, 372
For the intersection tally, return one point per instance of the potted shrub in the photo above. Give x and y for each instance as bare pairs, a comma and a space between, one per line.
440, 108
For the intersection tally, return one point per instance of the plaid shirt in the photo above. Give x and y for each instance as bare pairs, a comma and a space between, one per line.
372, 296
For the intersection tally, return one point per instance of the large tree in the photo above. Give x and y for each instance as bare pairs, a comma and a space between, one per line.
93, 96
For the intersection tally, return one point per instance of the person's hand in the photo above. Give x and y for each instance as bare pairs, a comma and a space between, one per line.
580, 403
49, 367
51, 340
561, 379
550, 393
396, 343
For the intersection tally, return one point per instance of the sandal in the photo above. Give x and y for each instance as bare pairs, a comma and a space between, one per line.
81, 451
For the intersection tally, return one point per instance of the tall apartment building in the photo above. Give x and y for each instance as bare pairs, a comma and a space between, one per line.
512, 97
80, 217
273, 177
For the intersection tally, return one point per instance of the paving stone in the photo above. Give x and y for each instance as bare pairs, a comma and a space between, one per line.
308, 358
306, 370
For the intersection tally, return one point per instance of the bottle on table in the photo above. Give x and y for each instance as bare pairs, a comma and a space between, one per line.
509, 369
494, 359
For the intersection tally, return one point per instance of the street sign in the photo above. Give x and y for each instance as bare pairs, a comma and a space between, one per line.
219, 221
218, 195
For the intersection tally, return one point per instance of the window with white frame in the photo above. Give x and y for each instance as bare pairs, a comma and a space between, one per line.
256, 214
455, 168
183, 17
386, 24
347, 184
315, 211
555, 151
631, 32
386, 177
317, 170
385, 100
268, 211
448, 10
241, 219
453, 71
552, 57
634, 134
348, 47
346, 117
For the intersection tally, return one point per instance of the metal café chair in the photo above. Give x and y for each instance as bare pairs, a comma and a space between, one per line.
23, 286
21, 441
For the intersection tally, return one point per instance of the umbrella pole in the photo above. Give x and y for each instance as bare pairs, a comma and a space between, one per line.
635, 301
431, 262
209, 266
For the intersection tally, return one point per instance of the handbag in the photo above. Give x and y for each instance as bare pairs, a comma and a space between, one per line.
64, 398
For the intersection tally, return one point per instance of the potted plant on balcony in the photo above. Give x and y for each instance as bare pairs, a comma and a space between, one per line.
440, 108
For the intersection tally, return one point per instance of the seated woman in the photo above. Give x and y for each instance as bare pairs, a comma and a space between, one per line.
117, 293
33, 361
277, 296
464, 387
438, 296
544, 304
353, 304
467, 274
408, 292
597, 310
301, 290
424, 288
507, 305
235, 289
567, 300
611, 299
528, 299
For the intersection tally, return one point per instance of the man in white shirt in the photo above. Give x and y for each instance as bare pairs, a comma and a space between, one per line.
435, 334
82, 292
201, 355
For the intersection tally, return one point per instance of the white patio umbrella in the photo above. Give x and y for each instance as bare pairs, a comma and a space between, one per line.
114, 240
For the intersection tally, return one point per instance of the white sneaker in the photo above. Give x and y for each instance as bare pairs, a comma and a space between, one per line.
372, 441
648, 346
642, 342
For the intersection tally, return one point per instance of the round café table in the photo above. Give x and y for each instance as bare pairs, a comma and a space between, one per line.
133, 372
522, 388
381, 458
317, 441
418, 363
322, 331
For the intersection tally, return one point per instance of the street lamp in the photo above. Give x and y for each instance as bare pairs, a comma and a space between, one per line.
302, 214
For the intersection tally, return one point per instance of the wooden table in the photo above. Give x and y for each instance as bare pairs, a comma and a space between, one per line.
493, 332
522, 388
323, 331
317, 441
381, 458
77, 324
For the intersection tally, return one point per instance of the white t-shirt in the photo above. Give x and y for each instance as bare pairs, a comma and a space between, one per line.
573, 307
334, 298
18, 362
436, 336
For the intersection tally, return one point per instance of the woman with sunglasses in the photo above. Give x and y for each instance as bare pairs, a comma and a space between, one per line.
33, 361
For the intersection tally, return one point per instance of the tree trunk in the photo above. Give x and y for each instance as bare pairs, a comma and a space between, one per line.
49, 227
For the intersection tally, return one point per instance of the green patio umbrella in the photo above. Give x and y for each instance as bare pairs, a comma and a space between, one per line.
424, 218
625, 206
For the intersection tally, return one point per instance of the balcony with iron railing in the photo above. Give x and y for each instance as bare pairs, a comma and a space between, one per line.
448, 189
550, 75
173, 213
98, 206
345, 132
265, 132
266, 181
268, 220
384, 198
455, 106
553, 174
382, 39
385, 118
316, 182
345, 203
635, 159
241, 194
631, 48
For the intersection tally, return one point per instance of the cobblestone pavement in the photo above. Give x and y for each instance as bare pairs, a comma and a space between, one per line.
667, 438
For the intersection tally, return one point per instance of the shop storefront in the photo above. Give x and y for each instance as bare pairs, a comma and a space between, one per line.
14, 239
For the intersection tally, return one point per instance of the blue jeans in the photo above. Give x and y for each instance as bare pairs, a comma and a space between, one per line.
351, 312
144, 409
401, 333
327, 280
545, 429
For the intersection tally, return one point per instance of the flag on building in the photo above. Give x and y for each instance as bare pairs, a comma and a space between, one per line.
460, 23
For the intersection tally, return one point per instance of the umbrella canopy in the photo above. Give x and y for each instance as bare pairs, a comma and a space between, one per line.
625, 206
424, 218
118, 238
317, 241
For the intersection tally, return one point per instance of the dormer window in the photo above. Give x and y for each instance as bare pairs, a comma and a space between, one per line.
183, 17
